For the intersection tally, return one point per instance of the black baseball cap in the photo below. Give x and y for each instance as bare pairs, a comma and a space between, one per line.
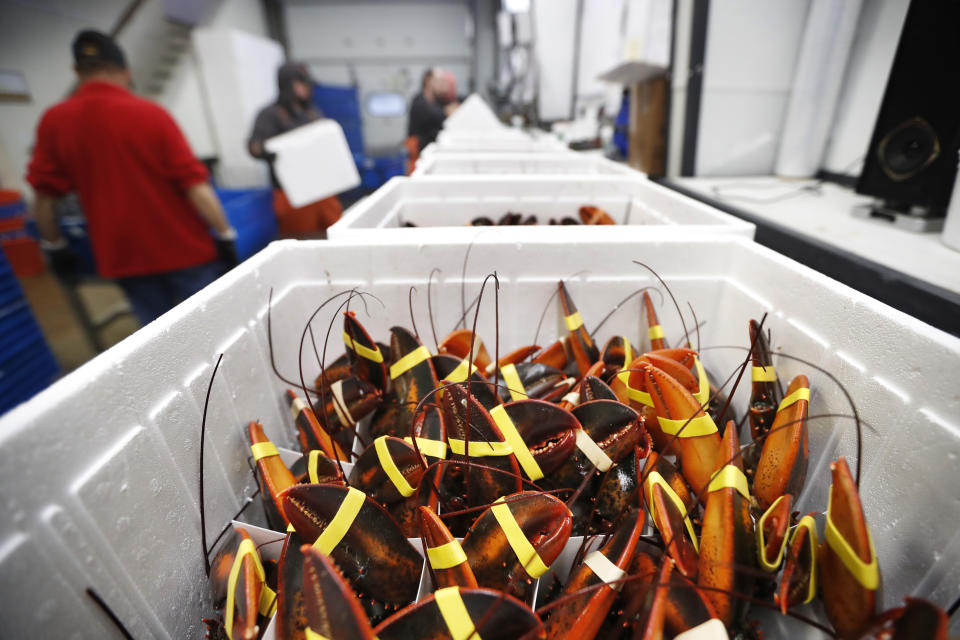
93, 48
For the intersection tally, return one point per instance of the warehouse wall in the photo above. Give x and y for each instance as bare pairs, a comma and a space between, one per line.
35, 39
383, 46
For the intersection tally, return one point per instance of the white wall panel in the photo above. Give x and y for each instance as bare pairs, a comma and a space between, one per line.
554, 23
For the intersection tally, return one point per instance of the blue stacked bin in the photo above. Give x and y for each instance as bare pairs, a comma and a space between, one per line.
250, 211
27, 365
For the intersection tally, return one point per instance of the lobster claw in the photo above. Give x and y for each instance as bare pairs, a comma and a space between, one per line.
310, 434
532, 380
542, 435
346, 403
458, 343
679, 414
272, 474
514, 357
654, 330
656, 614
765, 392
364, 354
413, 378
316, 468
239, 590
670, 474
772, 529
516, 540
581, 344
593, 388
582, 617
450, 369
360, 536
685, 605
783, 458
798, 583
332, 609
727, 546
463, 614
671, 519
917, 620
616, 356
445, 557
389, 471
594, 215
847, 559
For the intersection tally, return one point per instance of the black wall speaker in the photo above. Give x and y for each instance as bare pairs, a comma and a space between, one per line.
912, 159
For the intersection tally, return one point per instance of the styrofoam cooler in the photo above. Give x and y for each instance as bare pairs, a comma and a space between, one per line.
442, 206
507, 139
520, 164
100, 476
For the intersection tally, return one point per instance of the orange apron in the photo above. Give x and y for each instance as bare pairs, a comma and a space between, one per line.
311, 218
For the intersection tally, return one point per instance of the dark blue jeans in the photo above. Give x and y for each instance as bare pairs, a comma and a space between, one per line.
153, 295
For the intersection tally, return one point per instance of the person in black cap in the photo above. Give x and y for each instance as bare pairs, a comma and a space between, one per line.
294, 108
150, 208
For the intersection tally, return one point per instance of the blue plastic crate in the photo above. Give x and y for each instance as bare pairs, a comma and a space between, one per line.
26, 374
343, 105
250, 211
18, 208
18, 328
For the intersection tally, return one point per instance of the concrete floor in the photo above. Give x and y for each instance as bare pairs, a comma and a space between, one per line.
60, 324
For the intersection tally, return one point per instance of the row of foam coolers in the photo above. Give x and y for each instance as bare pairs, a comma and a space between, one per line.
101, 472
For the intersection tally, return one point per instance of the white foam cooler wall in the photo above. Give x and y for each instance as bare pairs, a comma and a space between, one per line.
443, 163
450, 202
99, 473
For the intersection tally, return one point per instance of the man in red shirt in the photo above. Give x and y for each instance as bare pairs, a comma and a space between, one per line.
150, 209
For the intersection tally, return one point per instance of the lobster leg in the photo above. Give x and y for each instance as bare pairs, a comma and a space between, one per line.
847, 560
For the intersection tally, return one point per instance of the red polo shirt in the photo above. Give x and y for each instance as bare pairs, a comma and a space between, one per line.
130, 165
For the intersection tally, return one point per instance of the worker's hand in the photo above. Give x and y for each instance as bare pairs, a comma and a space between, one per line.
64, 263
227, 247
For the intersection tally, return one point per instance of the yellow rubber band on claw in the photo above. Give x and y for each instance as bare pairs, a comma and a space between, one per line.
699, 426
460, 373
634, 394
866, 573
446, 555
605, 569
762, 542
514, 385
389, 467
703, 383
261, 450
803, 393
373, 355
409, 361
515, 440
455, 615
808, 523
526, 554
342, 521
310, 634
655, 332
312, 460
268, 601
592, 450
480, 449
730, 477
654, 478
764, 374
432, 448
573, 321
246, 548
627, 353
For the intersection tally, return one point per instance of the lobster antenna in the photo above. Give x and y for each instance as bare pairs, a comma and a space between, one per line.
410, 293
463, 287
433, 327
617, 306
203, 433
675, 304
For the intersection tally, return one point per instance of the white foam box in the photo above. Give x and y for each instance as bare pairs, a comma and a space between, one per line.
442, 206
507, 139
99, 473
475, 115
313, 162
520, 164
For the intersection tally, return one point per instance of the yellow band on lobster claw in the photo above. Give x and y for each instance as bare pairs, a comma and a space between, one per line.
514, 385
389, 467
592, 450
373, 355
803, 393
455, 614
460, 373
312, 461
573, 321
605, 569
432, 448
409, 361
654, 478
655, 332
730, 477
764, 374
310, 634
627, 353
246, 548
480, 449
526, 554
341, 522
703, 383
446, 555
866, 573
634, 394
699, 426
261, 450
762, 541
515, 440
808, 523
